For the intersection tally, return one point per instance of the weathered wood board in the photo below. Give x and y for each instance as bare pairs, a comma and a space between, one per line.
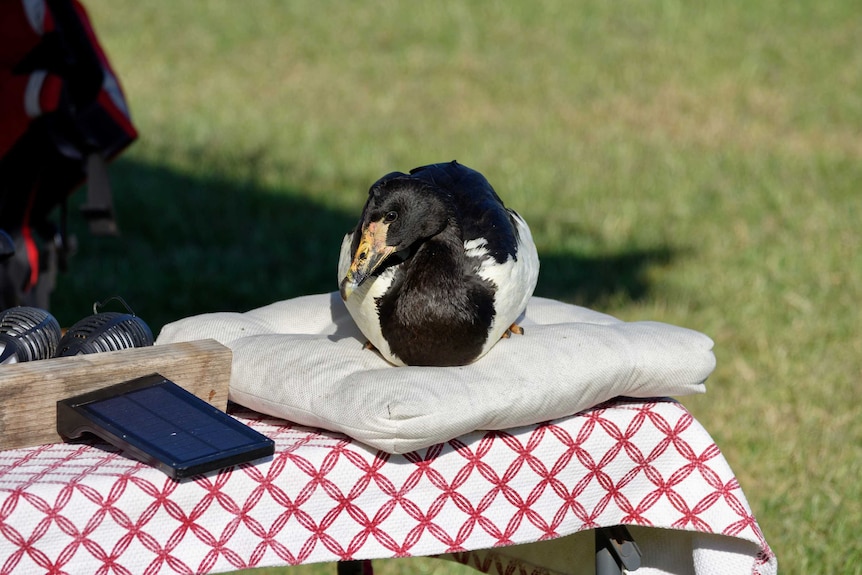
29, 391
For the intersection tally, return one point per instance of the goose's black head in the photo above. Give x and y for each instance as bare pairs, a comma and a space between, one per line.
400, 214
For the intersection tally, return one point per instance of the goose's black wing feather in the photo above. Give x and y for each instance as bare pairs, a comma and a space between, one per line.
480, 211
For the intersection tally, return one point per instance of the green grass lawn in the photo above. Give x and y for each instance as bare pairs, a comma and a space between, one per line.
693, 164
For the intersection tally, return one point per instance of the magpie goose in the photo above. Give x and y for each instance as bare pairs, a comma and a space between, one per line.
437, 270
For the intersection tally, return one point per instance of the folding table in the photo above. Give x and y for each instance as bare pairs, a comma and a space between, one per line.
522, 500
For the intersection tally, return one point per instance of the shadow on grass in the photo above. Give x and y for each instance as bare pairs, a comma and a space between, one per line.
595, 281
192, 245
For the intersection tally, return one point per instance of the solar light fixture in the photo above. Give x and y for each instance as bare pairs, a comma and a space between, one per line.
156, 421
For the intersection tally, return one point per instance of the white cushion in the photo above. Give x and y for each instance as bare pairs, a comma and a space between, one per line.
303, 360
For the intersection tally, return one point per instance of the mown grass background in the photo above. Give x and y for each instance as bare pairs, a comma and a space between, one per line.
697, 164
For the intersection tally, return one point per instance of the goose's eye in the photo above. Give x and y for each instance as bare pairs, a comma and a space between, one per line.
390, 217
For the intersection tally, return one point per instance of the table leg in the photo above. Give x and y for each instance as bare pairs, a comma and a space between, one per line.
359, 567
616, 550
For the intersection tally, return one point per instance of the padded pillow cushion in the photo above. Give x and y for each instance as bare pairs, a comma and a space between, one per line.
304, 360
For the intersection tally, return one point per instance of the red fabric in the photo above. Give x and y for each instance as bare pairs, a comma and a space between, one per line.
34, 71
115, 108
31, 247
13, 114
49, 94
13, 119
17, 39
17, 36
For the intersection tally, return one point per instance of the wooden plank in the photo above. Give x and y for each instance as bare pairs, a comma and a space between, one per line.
29, 391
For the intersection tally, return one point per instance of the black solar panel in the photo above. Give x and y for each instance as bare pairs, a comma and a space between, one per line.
159, 422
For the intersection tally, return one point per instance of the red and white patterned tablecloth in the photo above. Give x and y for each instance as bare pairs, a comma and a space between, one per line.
76, 508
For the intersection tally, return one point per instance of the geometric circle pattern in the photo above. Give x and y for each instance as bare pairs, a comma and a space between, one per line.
85, 508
